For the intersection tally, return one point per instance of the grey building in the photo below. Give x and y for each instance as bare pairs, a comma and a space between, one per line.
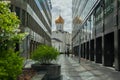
97, 37
35, 16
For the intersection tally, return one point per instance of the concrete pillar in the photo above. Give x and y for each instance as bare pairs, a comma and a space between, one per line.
103, 48
30, 47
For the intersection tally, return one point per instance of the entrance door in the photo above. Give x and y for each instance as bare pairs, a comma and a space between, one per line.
109, 49
92, 50
98, 53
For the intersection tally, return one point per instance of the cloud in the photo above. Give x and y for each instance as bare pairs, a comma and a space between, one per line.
63, 8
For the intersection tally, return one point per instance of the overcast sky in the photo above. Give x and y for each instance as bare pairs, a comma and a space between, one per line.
64, 8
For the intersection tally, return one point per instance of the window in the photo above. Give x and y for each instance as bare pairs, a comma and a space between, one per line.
109, 7
11, 8
17, 10
119, 3
108, 2
98, 14
23, 17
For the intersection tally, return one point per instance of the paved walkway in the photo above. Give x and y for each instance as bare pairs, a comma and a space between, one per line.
86, 70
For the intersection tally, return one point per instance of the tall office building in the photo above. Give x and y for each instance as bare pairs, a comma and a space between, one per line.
97, 37
35, 16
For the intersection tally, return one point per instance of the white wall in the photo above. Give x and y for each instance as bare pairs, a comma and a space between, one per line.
65, 37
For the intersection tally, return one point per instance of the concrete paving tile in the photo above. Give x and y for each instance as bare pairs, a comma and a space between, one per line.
96, 72
71, 69
75, 78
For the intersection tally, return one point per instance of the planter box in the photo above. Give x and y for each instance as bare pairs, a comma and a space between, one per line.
53, 71
40, 67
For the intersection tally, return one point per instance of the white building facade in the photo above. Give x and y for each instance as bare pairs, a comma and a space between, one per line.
61, 39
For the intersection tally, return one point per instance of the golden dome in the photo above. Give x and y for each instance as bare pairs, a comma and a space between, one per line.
59, 20
77, 20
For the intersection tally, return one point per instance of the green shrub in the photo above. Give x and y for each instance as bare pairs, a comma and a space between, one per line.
45, 54
10, 62
10, 65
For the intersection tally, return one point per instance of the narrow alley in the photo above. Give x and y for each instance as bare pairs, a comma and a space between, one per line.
34, 33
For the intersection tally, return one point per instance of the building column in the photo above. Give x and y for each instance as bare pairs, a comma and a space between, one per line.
30, 48
103, 48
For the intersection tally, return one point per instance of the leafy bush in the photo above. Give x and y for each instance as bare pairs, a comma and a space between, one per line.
45, 54
10, 61
10, 65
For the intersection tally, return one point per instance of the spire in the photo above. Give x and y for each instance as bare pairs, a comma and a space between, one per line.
59, 12
59, 20
77, 20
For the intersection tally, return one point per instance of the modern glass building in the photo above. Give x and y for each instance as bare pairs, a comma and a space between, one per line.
35, 16
97, 36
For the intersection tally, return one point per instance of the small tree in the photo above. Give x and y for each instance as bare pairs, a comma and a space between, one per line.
10, 61
45, 54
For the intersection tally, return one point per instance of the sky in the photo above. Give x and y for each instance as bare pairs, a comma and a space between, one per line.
63, 8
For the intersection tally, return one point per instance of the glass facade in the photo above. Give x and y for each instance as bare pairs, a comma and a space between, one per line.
99, 31
35, 16
83, 9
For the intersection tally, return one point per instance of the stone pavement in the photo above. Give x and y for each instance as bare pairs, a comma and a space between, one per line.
71, 69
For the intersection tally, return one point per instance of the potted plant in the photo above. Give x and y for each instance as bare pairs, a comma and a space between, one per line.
45, 55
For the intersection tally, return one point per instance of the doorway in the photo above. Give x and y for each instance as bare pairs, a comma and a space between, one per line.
92, 50
87, 51
109, 49
98, 53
